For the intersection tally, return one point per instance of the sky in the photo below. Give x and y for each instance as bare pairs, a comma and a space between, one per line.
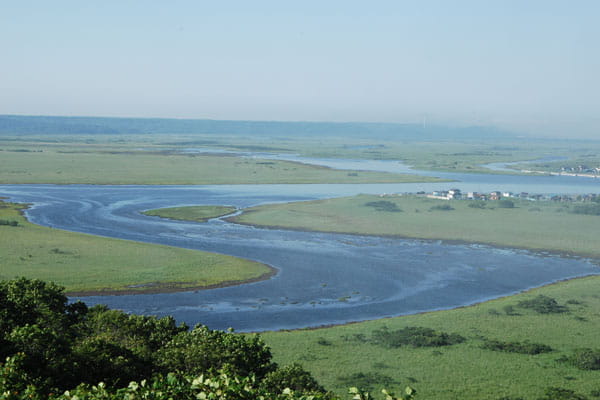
527, 65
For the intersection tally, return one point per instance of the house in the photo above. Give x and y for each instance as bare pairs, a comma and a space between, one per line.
495, 195
454, 194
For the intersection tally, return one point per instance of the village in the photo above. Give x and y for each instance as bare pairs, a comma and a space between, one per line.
456, 194
580, 170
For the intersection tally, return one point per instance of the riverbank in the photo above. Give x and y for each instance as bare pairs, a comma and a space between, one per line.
86, 264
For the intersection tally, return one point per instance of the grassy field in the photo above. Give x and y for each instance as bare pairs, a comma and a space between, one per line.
86, 263
193, 213
107, 165
532, 225
50, 158
350, 354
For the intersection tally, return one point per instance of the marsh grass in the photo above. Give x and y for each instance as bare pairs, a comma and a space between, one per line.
464, 370
191, 213
86, 263
103, 166
519, 227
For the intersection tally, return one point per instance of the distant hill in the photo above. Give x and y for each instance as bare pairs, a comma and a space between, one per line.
24, 125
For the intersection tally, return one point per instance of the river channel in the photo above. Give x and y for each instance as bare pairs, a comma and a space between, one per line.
322, 278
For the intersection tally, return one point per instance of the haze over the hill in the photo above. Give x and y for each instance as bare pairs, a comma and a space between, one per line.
529, 67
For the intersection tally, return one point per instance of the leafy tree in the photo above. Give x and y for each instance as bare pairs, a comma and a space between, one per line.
201, 350
291, 376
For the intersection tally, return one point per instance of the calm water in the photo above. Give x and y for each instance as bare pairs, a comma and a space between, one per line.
323, 278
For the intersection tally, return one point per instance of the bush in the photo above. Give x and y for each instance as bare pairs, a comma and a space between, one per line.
477, 204
383, 205
7, 222
414, 336
441, 207
557, 393
543, 305
516, 347
505, 203
293, 377
587, 209
586, 359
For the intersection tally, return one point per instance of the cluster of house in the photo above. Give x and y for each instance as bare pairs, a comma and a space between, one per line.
581, 169
453, 194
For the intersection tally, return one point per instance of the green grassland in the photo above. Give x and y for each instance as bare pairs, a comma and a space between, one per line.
540, 225
342, 354
192, 213
122, 165
25, 158
86, 263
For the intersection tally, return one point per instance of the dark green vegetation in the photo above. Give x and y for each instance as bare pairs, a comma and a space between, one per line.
86, 263
415, 336
383, 205
539, 225
48, 346
192, 213
545, 345
587, 209
516, 347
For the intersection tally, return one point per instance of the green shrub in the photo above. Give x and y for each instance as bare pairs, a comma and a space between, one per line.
383, 205
477, 204
543, 305
587, 209
505, 203
586, 359
516, 347
441, 207
557, 393
414, 336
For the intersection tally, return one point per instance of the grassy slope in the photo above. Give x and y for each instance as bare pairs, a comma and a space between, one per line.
532, 225
193, 213
463, 371
90, 263
138, 167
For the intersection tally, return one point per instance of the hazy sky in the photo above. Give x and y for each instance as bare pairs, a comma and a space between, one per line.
530, 65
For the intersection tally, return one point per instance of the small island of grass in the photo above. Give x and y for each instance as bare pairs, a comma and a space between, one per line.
191, 213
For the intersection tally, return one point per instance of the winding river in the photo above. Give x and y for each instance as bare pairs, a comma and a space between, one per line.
322, 278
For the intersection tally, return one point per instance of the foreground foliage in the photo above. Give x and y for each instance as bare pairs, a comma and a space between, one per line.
53, 345
53, 349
